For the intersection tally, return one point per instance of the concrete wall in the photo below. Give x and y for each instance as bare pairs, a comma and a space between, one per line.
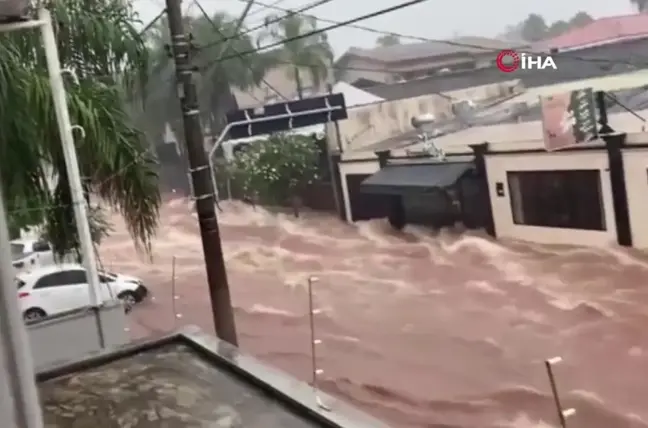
498, 165
71, 336
280, 78
636, 179
370, 124
356, 68
360, 167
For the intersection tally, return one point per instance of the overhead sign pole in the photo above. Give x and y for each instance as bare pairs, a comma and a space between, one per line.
279, 117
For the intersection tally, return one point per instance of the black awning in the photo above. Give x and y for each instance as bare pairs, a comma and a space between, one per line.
397, 179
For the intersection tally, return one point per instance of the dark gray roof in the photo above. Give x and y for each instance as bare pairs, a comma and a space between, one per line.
584, 64
403, 52
181, 381
396, 178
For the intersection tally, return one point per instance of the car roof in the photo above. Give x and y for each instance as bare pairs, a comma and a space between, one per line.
39, 271
24, 241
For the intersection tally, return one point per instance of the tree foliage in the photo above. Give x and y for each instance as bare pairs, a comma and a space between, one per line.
98, 41
534, 28
278, 168
215, 78
312, 54
388, 40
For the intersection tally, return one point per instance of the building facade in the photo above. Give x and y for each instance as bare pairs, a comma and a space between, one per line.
591, 195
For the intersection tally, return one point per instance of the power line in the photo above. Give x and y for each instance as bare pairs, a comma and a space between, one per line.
268, 22
273, 4
244, 60
426, 39
329, 28
151, 23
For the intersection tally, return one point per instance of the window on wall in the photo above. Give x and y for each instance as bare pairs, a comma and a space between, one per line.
566, 199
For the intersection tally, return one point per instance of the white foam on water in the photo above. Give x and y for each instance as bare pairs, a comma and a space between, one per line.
269, 310
379, 282
522, 420
484, 287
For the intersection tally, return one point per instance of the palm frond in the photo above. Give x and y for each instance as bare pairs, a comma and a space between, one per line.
98, 40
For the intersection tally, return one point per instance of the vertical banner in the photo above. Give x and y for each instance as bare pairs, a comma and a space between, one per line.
569, 119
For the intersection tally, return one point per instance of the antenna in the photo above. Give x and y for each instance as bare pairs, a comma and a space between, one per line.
429, 148
626, 108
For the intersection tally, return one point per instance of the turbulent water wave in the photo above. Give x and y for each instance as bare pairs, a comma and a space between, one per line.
421, 328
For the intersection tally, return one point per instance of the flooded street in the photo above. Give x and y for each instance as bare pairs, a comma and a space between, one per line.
421, 330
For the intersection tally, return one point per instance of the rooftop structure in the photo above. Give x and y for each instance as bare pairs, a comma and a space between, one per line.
184, 380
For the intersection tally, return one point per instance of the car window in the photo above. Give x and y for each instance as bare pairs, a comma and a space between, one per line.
52, 280
76, 277
69, 277
41, 246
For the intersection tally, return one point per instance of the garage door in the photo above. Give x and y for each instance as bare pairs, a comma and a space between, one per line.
365, 206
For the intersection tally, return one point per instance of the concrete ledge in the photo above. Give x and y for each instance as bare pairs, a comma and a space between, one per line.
291, 392
74, 334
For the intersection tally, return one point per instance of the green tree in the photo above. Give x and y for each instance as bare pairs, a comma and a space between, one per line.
388, 40
557, 28
534, 28
215, 78
580, 20
277, 169
98, 40
312, 54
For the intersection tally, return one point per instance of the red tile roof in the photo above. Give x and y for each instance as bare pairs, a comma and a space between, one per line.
600, 31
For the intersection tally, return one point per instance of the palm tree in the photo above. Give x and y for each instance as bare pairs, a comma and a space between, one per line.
98, 40
312, 54
215, 78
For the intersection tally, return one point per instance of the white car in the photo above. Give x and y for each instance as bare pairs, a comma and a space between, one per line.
54, 289
30, 253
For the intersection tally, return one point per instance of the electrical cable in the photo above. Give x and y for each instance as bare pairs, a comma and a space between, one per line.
268, 22
329, 28
151, 23
426, 39
244, 60
273, 4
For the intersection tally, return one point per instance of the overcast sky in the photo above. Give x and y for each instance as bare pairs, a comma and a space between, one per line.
434, 19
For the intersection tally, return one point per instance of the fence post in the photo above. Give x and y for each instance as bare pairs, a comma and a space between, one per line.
316, 372
562, 414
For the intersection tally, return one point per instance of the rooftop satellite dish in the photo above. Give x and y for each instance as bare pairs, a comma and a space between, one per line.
423, 119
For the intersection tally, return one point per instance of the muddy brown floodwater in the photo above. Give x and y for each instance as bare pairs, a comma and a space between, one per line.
419, 329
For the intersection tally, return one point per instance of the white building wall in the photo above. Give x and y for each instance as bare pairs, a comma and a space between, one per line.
354, 167
636, 179
498, 165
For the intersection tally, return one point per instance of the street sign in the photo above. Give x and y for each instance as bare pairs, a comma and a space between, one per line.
286, 116
13, 10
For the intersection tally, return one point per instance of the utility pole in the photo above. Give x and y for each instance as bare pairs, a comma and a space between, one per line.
201, 178
334, 177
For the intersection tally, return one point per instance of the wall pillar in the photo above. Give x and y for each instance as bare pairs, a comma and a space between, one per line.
480, 151
383, 157
336, 181
614, 145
